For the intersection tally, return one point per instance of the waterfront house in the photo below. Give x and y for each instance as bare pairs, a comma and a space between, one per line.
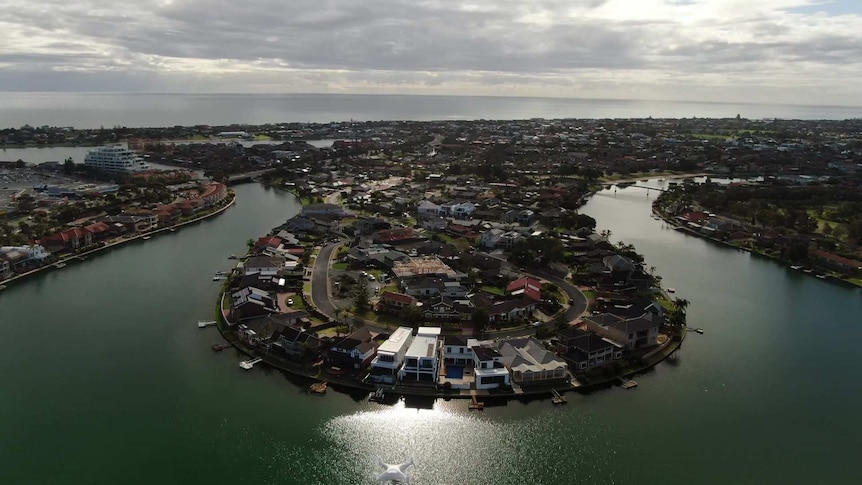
632, 333
489, 367
250, 302
585, 350
5, 267
295, 343
263, 265
71, 240
450, 309
421, 362
530, 363
390, 356
353, 352
457, 350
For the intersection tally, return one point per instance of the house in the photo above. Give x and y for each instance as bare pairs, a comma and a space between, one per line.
434, 223
632, 333
489, 367
422, 287
458, 209
317, 210
506, 310
585, 350
456, 350
390, 356
263, 265
421, 362
295, 343
449, 309
251, 302
99, 230
71, 239
375, 255
353, 351
293, 317
526, 286
490, 238
393, 302
530, 363
453, 289
19, 257
5, 267
427, 209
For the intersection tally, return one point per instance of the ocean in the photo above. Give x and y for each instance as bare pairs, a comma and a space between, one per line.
94, 110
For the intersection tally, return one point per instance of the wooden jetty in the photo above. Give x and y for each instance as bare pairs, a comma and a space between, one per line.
318, 387
476, 405
629, 384
558, 398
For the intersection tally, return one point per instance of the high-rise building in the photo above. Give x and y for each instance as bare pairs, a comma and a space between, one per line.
115, 159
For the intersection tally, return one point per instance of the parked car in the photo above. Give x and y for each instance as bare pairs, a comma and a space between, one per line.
290, 301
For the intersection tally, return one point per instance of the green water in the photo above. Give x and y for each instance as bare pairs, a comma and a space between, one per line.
106, 379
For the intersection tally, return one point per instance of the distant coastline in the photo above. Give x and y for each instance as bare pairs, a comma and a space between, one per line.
136, 109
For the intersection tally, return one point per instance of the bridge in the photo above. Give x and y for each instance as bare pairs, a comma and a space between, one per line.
647, 188
248, 176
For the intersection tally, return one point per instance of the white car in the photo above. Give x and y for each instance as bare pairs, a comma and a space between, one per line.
290, 301
371, 278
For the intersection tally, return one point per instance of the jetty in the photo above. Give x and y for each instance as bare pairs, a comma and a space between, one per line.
629, 384
249, 364
475, 404
318, 387
206, 323
557, 397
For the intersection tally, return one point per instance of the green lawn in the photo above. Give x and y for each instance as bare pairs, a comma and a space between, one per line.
458, 242
341, 266
494, 289
590, 294
298, 304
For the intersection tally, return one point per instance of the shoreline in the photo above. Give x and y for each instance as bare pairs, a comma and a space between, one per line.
783, 262
115, 244
651, 360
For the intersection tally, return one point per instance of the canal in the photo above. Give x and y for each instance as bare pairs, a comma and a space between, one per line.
105, 378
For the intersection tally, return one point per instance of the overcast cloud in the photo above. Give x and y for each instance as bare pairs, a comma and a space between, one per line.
797, 51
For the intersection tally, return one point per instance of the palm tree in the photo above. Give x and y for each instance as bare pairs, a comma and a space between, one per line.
682, 304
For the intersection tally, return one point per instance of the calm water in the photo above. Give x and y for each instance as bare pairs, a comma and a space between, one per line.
136, 110
105, 379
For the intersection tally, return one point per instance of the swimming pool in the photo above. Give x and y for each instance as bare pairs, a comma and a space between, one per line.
455, 371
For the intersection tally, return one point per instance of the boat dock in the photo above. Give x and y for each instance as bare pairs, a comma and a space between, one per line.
557, 397
318, 387
220, 347
629, 384
248, 364
475, 404
206, 323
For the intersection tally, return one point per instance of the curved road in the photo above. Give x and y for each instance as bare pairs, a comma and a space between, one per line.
320, 281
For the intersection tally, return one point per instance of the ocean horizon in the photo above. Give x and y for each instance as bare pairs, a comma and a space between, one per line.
94, 110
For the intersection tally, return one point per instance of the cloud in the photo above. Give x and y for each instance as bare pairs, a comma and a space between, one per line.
720, 49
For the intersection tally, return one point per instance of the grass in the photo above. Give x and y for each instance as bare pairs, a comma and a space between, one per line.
458, 242
494, 289
589, 294
298, 304
710, 136
392, 288
341, 266
666, 304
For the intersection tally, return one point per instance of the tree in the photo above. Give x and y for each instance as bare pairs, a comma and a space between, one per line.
26, 203
360, 295
69, 166
480, 320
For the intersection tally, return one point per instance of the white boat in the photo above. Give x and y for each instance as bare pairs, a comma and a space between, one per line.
206, 323
796, 267
60, 265
147, 238
671, 290
219, 278
822, 277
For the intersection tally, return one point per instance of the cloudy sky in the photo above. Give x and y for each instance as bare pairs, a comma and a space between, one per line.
787, 51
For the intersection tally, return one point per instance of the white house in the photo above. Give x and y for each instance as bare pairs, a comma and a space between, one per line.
390, 356
263, 265
490, 238
489, 367
421, 363
458, 209
427, 208
529, 362
457, 350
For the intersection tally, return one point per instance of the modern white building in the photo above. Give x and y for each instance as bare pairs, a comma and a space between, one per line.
422, 363
115, 159
390, 356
